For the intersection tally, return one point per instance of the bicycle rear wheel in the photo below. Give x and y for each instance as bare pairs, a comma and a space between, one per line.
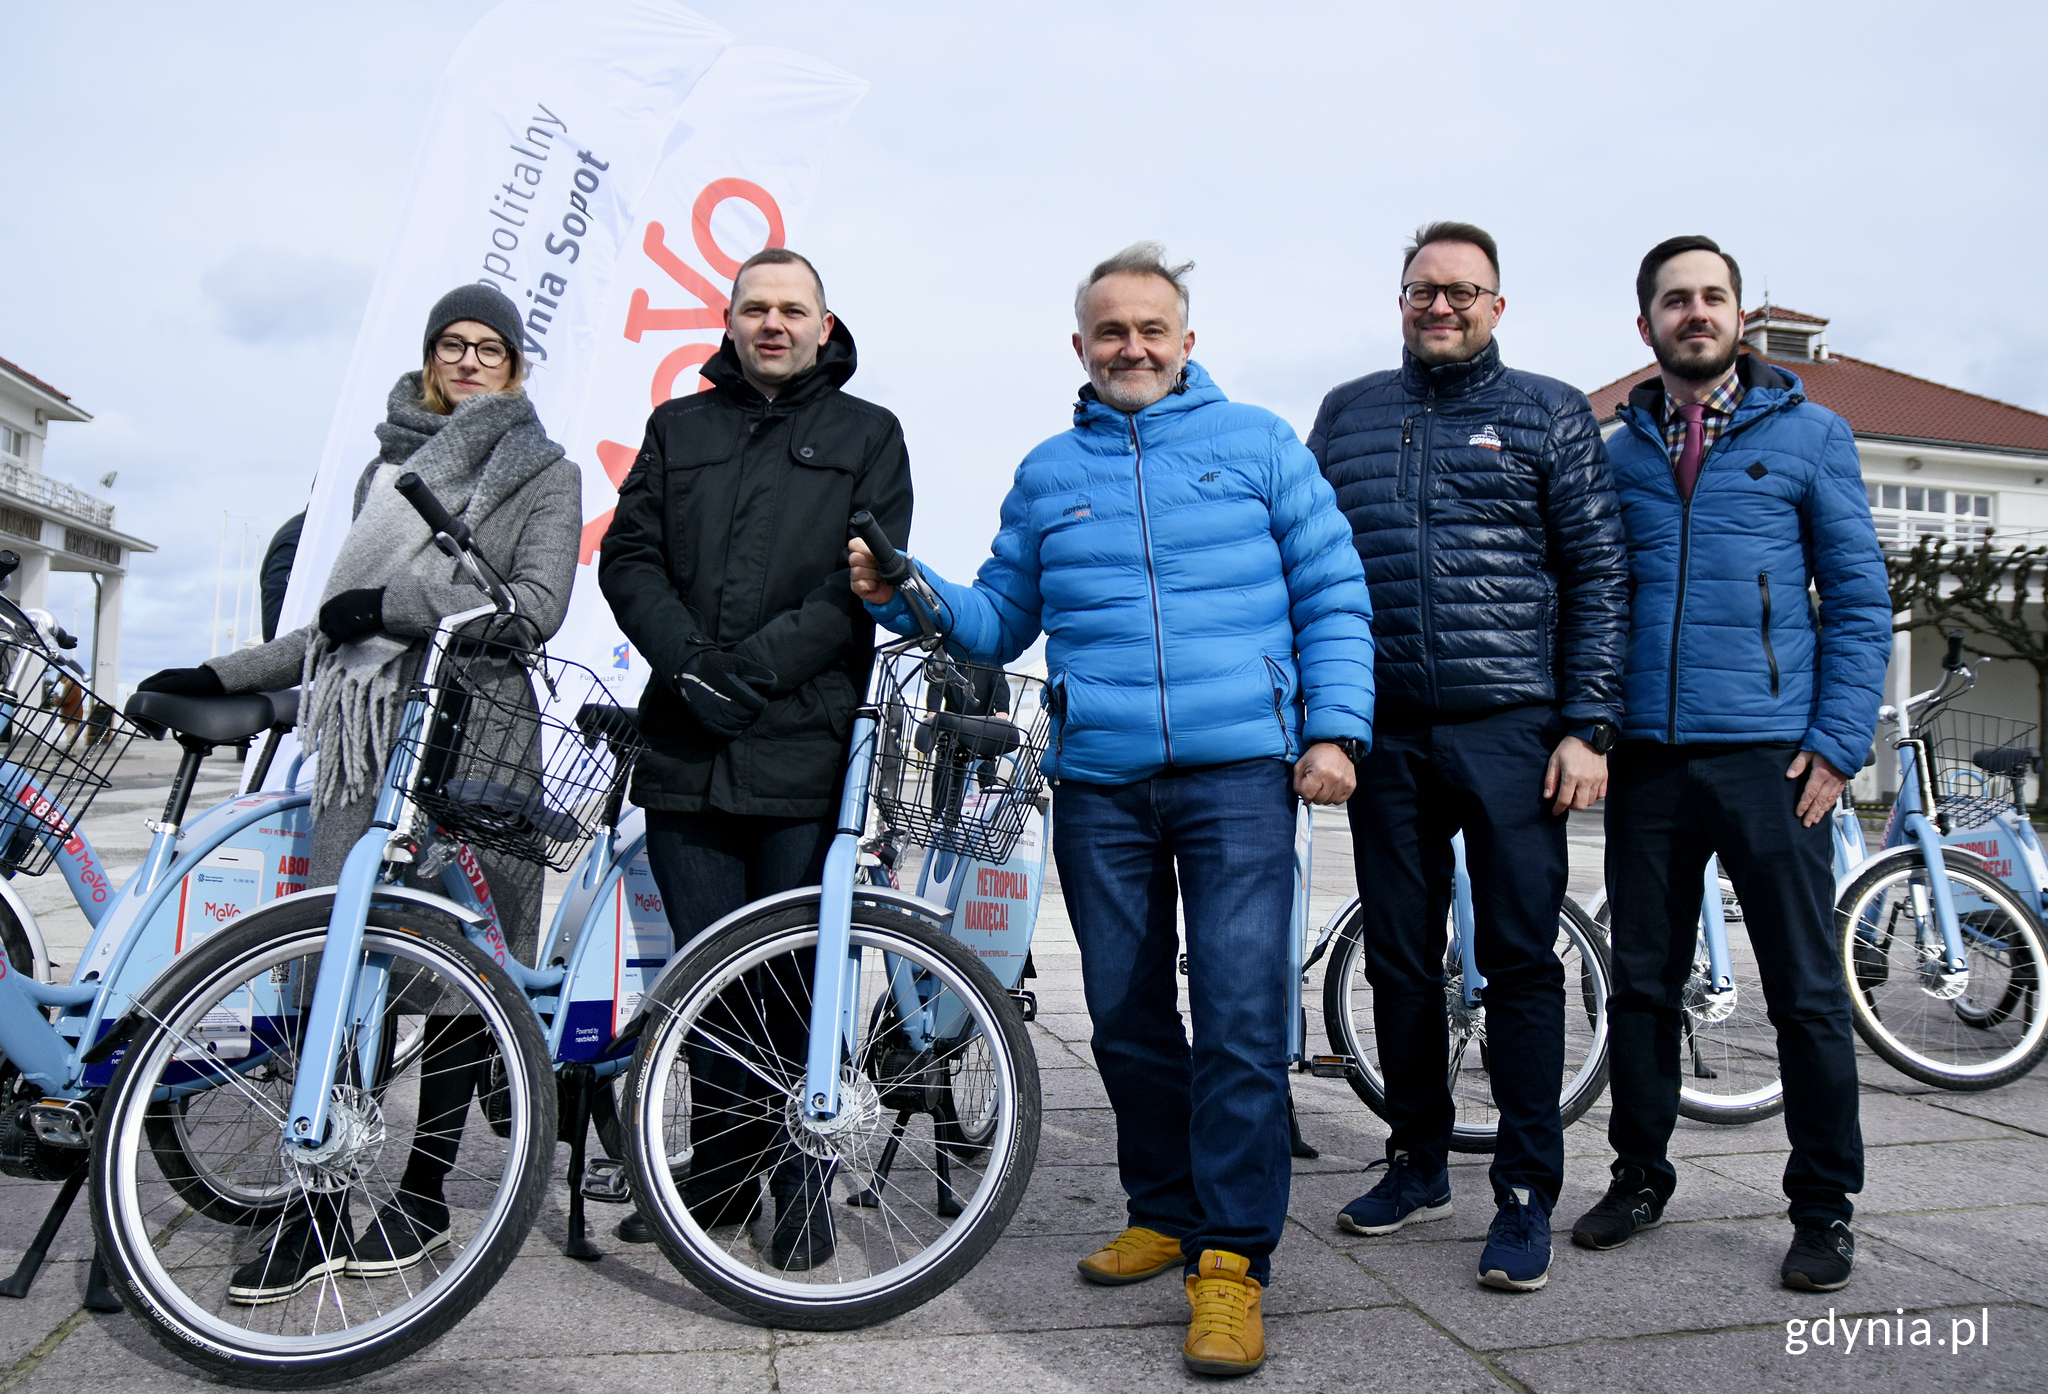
1728, 1049
912, 1198
1347, 1011
252, 1261
1969, 1031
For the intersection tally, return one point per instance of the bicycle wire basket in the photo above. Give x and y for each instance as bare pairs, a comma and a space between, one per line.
956, 765
1973, 758
59, 743
521, 753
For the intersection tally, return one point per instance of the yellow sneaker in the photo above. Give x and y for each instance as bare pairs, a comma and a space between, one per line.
1226, 1336
1132, 1257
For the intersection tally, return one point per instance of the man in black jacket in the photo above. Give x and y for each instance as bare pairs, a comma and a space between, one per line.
1480, 502
726, 566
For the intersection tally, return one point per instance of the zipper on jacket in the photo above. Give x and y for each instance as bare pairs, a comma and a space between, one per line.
1056, 703
1401, 475
1151, 587
1763, 585
1678, 615
1422, 567
1279, 706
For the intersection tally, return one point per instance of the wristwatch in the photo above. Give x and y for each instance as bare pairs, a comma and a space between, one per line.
1601, 735
1353, 748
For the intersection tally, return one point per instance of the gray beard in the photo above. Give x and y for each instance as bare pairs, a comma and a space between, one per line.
1699, 370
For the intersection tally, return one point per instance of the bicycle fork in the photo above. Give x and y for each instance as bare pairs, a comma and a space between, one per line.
836, 985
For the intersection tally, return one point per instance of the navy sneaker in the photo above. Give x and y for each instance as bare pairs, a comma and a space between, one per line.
1517, 1253
1404, 1196
1821, 1258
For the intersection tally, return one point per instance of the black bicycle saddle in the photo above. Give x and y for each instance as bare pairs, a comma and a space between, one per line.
216, 719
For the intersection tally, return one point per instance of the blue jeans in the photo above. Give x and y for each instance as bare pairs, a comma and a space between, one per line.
1201, 1134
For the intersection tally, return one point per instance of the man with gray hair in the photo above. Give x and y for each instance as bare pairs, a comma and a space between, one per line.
1209, 652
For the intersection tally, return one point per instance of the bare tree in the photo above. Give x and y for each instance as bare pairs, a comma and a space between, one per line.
1999, 599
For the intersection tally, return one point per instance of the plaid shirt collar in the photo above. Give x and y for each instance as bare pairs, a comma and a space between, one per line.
1721, 404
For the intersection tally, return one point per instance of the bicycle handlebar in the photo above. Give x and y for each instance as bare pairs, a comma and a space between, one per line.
890, 565
1953, 659
429, 508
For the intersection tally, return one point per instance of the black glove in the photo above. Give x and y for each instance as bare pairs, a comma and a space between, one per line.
184, 682
725, 692
352, 615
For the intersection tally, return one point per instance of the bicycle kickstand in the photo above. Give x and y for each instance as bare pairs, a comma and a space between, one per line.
25, 1272
578, 1078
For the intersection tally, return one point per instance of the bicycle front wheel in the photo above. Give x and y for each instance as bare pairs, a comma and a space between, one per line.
900, 1193
1347, 1011
276, 1266
1965, 1031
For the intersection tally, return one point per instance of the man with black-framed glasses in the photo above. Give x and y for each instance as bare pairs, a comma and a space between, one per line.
1480, 503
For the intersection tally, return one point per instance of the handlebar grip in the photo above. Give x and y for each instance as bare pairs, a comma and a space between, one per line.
891, 565
10, 561
1953, 659
429, 508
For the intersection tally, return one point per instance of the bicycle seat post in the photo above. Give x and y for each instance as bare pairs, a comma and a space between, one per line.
196, 751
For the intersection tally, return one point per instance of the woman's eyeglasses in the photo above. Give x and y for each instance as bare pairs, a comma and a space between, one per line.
491, 353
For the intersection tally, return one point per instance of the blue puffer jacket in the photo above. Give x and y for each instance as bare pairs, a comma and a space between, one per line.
1723, 645
1195, 582
1479, 499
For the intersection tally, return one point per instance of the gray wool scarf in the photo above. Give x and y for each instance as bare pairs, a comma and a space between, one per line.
473, 459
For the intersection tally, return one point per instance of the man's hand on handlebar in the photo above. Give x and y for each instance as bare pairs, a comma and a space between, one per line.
1324, 774
1823, 786
867, 582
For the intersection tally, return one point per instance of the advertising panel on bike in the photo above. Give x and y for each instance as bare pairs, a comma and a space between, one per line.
995, 904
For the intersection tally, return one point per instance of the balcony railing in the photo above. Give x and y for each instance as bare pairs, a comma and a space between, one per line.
52, 493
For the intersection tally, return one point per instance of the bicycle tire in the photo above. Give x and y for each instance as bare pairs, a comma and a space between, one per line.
172, 1261
1993, 1029
1347, 1015
1725, 1040
895, 1250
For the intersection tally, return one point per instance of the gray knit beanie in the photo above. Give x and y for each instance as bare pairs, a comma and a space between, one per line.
482, 303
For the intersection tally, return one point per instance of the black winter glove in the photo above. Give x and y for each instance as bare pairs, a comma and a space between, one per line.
352, 615
184, 682
725, 692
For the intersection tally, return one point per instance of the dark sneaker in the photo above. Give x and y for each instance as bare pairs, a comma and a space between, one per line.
803, 1236
1821, 1258
634, 1229
731, 1206
1404, 1196
1629, 1206
1517, 1253
402, 1235
303, 1253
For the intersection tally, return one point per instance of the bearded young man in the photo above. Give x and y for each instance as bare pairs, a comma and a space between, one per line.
1744, 714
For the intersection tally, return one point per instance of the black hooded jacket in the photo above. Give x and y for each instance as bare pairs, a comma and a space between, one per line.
731, 534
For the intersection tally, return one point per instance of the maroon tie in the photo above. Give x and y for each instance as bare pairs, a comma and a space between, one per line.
1693, 415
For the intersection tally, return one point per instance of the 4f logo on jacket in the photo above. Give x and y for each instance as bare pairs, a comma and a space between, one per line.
1486, 438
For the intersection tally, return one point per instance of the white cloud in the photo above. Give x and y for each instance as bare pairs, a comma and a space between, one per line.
273, 296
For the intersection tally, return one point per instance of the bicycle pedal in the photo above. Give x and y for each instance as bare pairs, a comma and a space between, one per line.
62, 1122
1330, 1066
605, 1180
1027, 1002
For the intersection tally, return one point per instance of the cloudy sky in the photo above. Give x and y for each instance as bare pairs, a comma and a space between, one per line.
197, 197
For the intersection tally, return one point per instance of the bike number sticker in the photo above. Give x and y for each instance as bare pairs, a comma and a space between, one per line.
227, 883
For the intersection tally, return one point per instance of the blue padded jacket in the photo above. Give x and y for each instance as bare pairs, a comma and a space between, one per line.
1197, 587
1723, 645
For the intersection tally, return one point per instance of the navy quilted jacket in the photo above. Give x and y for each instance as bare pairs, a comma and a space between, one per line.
1480, 502
1189, 569
1723, 644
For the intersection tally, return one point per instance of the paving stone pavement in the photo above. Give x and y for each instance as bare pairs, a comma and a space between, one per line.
1951, 1228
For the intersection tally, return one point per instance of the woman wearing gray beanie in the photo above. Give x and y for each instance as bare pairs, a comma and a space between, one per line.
464, 424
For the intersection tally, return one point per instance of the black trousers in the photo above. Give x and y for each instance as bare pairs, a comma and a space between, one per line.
1668, 809
1421, 784
707, 866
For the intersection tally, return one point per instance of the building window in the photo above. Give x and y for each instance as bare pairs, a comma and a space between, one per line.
1904, 513
13, 444
86, 545
21, 523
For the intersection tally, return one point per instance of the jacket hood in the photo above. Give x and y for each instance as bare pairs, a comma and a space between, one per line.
836, 362
1451, 379
1195, 389
1752, 372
